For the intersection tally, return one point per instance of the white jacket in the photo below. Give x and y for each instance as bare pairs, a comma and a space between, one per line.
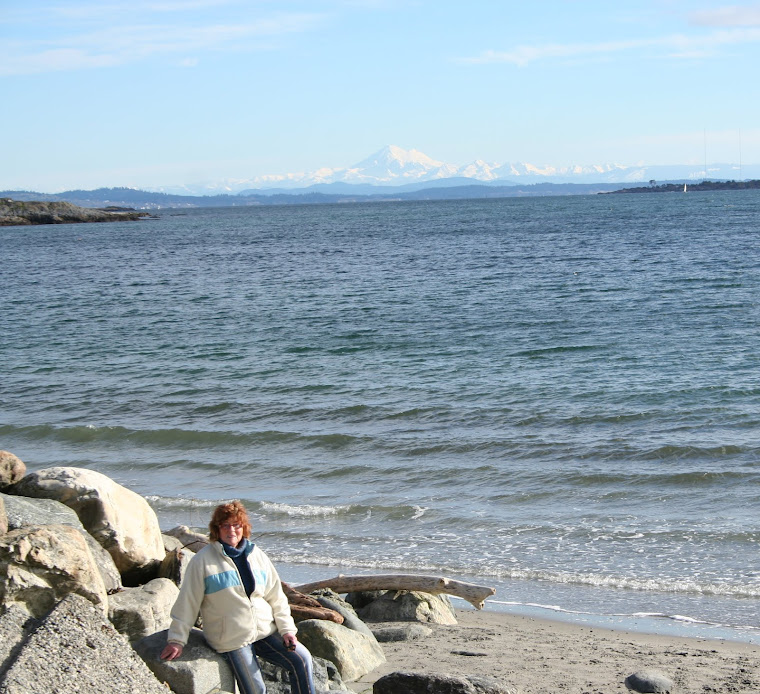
212, 586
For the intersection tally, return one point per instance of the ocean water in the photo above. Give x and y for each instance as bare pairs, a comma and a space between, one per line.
559, 396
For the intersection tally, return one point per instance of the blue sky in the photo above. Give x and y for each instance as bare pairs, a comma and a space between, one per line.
161, 92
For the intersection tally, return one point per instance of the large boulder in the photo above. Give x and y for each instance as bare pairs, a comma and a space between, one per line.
416, 683
200, 669
137, 612
39, 565
12, 469
75, 649
409, 606
353, 653
118, 518
197, 671
23, 511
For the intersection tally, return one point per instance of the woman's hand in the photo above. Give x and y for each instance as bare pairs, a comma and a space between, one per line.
290, 641
171, 651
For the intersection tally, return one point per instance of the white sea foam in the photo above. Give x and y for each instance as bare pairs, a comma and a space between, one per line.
305, 510
684, 618
666, 585
176, 502
553, 608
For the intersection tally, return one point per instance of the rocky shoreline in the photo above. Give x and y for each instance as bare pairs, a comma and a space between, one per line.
21, 213
87, 581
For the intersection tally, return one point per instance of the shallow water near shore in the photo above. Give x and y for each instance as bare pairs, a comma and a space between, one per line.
556, 396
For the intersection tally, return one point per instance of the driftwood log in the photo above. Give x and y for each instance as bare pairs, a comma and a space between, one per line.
307, 607
474, 594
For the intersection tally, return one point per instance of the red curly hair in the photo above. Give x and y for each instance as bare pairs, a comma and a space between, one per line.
232, 512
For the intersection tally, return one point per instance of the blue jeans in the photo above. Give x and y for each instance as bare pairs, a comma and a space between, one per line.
297, 664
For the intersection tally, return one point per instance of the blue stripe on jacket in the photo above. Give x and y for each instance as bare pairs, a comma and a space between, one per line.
226, 579
260, 576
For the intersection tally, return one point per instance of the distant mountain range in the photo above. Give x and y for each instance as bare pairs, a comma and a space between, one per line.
409, 170
396, 174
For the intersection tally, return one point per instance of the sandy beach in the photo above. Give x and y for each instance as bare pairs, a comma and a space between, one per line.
538, 656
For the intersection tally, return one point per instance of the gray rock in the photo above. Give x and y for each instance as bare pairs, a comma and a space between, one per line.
3, 518
197, 671
190, 539
75, 649
332, 601
41, 564
12, 469
138, 612
104, 561
24, 511
330, 594
120, 520
353, 653
362, 598
15, 626
415, 683
170, 543
174, 565
401, 632
649, 681
326, 677
409, 606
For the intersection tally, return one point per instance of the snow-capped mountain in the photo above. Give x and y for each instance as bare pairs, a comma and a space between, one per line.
394, 166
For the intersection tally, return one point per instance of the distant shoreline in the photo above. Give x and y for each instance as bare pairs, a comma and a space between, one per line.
687, 187
32, 213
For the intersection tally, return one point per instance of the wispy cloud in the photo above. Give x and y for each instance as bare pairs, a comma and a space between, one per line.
729, 16
116, 44
522, 55
55, 60
674, 45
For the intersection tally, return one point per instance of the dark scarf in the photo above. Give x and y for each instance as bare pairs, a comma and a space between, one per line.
239, 555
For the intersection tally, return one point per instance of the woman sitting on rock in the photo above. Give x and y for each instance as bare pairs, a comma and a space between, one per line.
238, 593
